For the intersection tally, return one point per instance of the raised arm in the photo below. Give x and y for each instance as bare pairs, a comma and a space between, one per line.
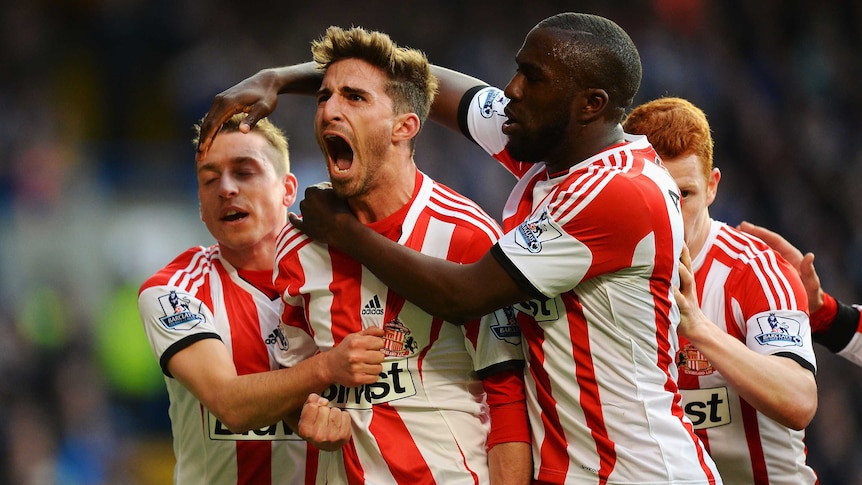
453, 85
258, 96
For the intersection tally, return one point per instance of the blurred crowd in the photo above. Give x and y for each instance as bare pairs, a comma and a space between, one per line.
98, 191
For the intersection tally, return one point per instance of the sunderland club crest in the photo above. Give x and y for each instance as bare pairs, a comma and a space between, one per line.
398, 341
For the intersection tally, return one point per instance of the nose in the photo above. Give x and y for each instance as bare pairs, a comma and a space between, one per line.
329, 109
227, 186
514, 90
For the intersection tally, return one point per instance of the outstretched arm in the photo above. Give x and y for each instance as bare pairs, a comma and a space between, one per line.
258, 96
455, 292
791, 400
251, 401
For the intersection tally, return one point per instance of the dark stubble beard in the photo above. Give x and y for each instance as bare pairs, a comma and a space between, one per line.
359, 187
533, 147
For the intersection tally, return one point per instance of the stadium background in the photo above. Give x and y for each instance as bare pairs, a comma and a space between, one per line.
97, 188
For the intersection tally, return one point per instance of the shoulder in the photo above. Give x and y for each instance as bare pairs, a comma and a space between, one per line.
289, 240
444, 198
188, 264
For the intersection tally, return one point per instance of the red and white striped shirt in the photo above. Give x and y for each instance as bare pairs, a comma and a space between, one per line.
198, 296
425, 420
753, 294
600, 245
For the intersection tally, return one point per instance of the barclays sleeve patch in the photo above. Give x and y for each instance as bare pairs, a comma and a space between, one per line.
180, 312
532, 233
778, 331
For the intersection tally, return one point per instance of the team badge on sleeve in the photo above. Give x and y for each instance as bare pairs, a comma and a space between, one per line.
778, 331
493, 102
178, 312
506, 326
531, 234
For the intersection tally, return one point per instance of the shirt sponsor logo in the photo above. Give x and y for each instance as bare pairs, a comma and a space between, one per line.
373, 307
690, 361
706, 408
275, 432
506, 327
541, 310
778, 331
178, 314
395, 383
532, 233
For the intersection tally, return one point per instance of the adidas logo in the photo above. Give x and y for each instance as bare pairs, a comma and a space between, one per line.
373, 307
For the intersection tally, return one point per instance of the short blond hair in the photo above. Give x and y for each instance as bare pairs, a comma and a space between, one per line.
265, 128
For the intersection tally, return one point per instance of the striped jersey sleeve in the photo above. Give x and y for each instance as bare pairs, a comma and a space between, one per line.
201, 296
598, 247
753, 294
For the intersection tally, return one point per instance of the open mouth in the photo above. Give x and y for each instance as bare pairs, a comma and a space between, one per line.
510, 122
340, 153
233, 215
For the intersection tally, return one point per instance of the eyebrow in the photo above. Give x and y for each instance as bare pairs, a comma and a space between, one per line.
238, 161
344, 89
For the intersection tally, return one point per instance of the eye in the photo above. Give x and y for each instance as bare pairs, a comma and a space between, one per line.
684, 193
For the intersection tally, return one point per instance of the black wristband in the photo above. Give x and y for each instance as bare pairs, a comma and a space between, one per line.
841, 330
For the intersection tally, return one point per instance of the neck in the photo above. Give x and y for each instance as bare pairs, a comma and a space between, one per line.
589, 141
389, 194
256, 258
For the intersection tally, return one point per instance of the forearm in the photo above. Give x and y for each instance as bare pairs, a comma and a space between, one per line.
302, 78
436, 285
790, 399
253, 401
452, 86
510, 464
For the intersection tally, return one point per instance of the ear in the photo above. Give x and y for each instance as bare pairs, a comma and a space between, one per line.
290, 186
712, 185
406, 127
591, 104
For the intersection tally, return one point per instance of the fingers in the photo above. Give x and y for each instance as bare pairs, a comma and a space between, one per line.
374, 332
685, 257
325, 427
221, 111
775, 241
295, 220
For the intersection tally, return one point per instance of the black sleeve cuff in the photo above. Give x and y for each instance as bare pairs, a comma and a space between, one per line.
180, 345
516, 275
799, 360
500, 367
464, 107
841, 330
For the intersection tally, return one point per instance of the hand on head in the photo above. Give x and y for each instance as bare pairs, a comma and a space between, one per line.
253, 95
